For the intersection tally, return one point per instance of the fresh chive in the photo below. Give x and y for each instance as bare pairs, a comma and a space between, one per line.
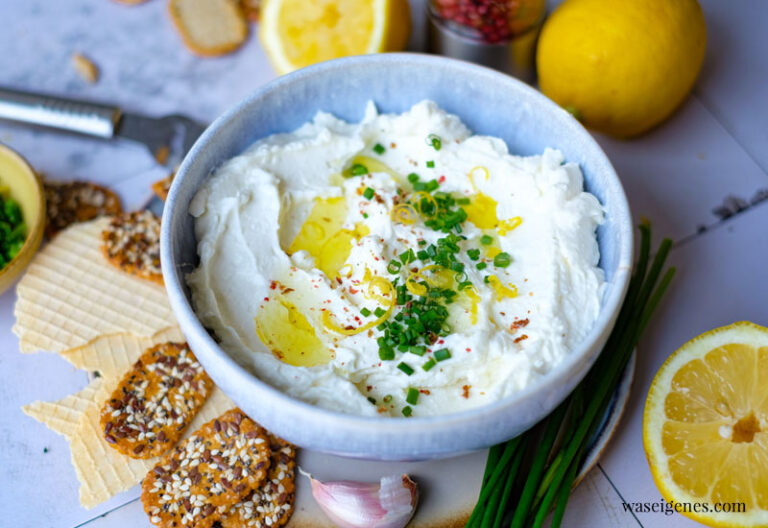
365, 215
417, 349
473, 254
379, 149
379, 311
434, 141
486, 240
387, 398
502, 260
442, 354
405, 367
407, 411
358, 169
431, 185
413, 396
429, 364
368, 193
431, 164
386, 353
413, 177
372, 400
463, 201
393, 267
481, 265
464, 285
365, 312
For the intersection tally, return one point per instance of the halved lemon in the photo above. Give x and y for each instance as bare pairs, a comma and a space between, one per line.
297, 33
705, 428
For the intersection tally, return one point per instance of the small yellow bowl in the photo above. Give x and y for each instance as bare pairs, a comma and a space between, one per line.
27, 189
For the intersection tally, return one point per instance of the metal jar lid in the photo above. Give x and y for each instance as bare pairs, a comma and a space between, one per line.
516, 57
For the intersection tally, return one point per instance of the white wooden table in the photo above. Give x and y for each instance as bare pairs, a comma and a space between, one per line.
712, 149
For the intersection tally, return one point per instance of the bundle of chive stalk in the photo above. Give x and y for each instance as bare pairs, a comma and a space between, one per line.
528, 476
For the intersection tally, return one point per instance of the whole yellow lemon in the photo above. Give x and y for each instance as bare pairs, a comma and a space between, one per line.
621, 66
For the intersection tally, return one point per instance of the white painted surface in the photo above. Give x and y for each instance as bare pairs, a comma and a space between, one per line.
713, 147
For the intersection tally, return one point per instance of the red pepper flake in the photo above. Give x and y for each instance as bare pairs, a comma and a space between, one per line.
338, 279
521, 338
468, 349
441, 179
441, 341
522, 323
266, 298
393, 145
465, 390
352, 290
273, 285
368, 388
425, 391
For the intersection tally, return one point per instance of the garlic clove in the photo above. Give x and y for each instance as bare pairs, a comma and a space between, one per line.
389, 503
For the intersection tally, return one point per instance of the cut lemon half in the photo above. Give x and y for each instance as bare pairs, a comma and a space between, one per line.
297, 33
705, 428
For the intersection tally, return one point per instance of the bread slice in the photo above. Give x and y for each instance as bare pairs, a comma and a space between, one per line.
210, 27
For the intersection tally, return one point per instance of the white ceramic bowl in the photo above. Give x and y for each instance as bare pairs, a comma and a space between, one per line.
489, 103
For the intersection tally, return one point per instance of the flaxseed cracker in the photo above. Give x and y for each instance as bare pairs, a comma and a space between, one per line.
70, 296
161, 187
210, 471
155, 401
77, 201
131, 242
101, 470
271, 504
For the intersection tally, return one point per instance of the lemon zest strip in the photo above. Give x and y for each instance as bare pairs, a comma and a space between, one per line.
508, 225
404, 214
471, 176
501, 290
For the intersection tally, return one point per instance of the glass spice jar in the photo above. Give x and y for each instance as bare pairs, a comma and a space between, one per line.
497, 33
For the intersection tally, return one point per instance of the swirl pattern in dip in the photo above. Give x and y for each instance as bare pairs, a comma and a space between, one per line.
396, 266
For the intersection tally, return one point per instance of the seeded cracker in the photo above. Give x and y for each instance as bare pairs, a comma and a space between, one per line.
132, 243
271, 504
155, 401
77, 201
213, 469
161, 187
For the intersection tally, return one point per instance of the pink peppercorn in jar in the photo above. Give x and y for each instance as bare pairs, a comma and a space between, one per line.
497, 33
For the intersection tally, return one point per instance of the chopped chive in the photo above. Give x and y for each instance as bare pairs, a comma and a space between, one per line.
486, 279
418, 350
431, 185
422, 242
413, 396
372, 400
431, 164
405, 367
407, 256
393, 267
434, 141
365, 312
368, 193
419, 186
386, 353
407, 411
379, 311
429, 364
481, 265
486, 240
413, 177
365, 215
473, 254
379, 149
464, 285
463, 201
502, 260
442, 354
387, 398
358, 169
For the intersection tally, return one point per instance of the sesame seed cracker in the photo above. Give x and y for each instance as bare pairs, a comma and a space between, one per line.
271, 505
76, 201
155, 401
132, 243
208, 473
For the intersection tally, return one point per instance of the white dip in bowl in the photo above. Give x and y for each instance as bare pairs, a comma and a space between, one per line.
341, 261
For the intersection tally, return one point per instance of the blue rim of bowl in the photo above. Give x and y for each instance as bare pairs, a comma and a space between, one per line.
607, 318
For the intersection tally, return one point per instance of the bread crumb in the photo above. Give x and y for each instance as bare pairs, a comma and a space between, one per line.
86, 68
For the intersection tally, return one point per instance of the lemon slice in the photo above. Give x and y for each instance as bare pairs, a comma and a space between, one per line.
705, 428
297, 33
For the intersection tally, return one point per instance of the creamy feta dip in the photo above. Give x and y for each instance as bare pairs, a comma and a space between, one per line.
399, 266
